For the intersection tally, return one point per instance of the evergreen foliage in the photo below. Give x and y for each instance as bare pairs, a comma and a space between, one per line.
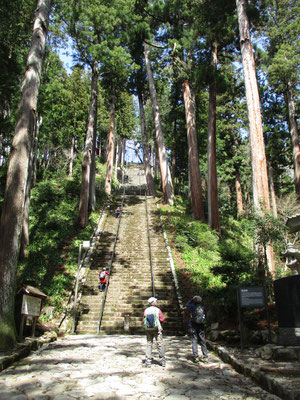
55, 235
214, 266
16, 18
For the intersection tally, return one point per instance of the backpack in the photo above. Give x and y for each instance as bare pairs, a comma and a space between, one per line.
151, 320
198, 316
102, 275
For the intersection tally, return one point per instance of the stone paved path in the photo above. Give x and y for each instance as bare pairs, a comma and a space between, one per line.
110, 367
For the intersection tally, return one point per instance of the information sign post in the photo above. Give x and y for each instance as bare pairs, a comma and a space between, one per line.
31, 307
248, 297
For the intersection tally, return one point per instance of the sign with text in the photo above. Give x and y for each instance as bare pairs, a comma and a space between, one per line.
31, 305
252, 296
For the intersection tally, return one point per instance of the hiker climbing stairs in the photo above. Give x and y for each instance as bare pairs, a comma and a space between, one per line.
130, 283
91, 297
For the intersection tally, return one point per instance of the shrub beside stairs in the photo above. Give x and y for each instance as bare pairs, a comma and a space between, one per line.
130, 282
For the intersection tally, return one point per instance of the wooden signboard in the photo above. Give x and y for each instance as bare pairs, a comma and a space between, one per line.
31, 305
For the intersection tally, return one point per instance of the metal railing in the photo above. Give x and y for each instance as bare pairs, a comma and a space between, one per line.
113, 254
149, 245
80, 263
109, 269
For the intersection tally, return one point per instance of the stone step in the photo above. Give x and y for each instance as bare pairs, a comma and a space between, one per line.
130, 281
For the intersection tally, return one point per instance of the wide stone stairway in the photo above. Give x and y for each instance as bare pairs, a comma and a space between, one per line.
130, 283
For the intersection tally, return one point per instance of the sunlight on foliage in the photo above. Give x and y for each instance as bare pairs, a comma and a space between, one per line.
212, 265
55, 236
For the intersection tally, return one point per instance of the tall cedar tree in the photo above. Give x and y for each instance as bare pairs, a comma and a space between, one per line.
166, 179
194, 170
148, 174
111, 142
17, 176
212, 195
86, 195
282, 29
260, 188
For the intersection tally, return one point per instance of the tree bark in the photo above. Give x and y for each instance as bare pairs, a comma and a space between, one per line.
238, 190
149, 177
212, 184
123, 146
272, 191
193, 158
173, 167
165, 175
152, 159
116, 159
156, 163
17, 174
24, 242
35, 150
260, 187
295, 138
88, 149
92, 195
110, 150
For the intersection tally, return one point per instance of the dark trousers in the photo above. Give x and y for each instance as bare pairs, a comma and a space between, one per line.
198, 336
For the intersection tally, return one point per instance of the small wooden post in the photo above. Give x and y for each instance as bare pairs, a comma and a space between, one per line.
23, 319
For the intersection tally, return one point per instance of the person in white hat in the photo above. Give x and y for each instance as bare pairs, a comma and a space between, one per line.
153, 318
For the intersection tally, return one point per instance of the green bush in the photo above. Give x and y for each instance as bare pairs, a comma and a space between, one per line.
212, 265
54, 237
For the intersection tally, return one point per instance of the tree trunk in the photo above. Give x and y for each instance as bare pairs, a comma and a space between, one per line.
25, 224
100, 147
116, 159
17, 173
110, 151
92, 195
212, 184
156, 163
87, 157
272, 191
193, 159
260, 187
35, 150
71, 156
238, 190
152, 159
123, 146
173, 168
120, 150
295, 138
149, 177
165, 175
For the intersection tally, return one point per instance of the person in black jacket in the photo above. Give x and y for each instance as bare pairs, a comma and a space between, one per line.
196, 327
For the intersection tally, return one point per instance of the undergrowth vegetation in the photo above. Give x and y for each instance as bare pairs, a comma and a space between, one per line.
214, 266
52, 255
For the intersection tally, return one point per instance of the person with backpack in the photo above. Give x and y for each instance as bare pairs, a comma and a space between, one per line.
102, 279
117, 212
196, 327
152, 320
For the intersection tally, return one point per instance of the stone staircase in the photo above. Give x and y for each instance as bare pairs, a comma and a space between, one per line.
130, 282
91, 299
